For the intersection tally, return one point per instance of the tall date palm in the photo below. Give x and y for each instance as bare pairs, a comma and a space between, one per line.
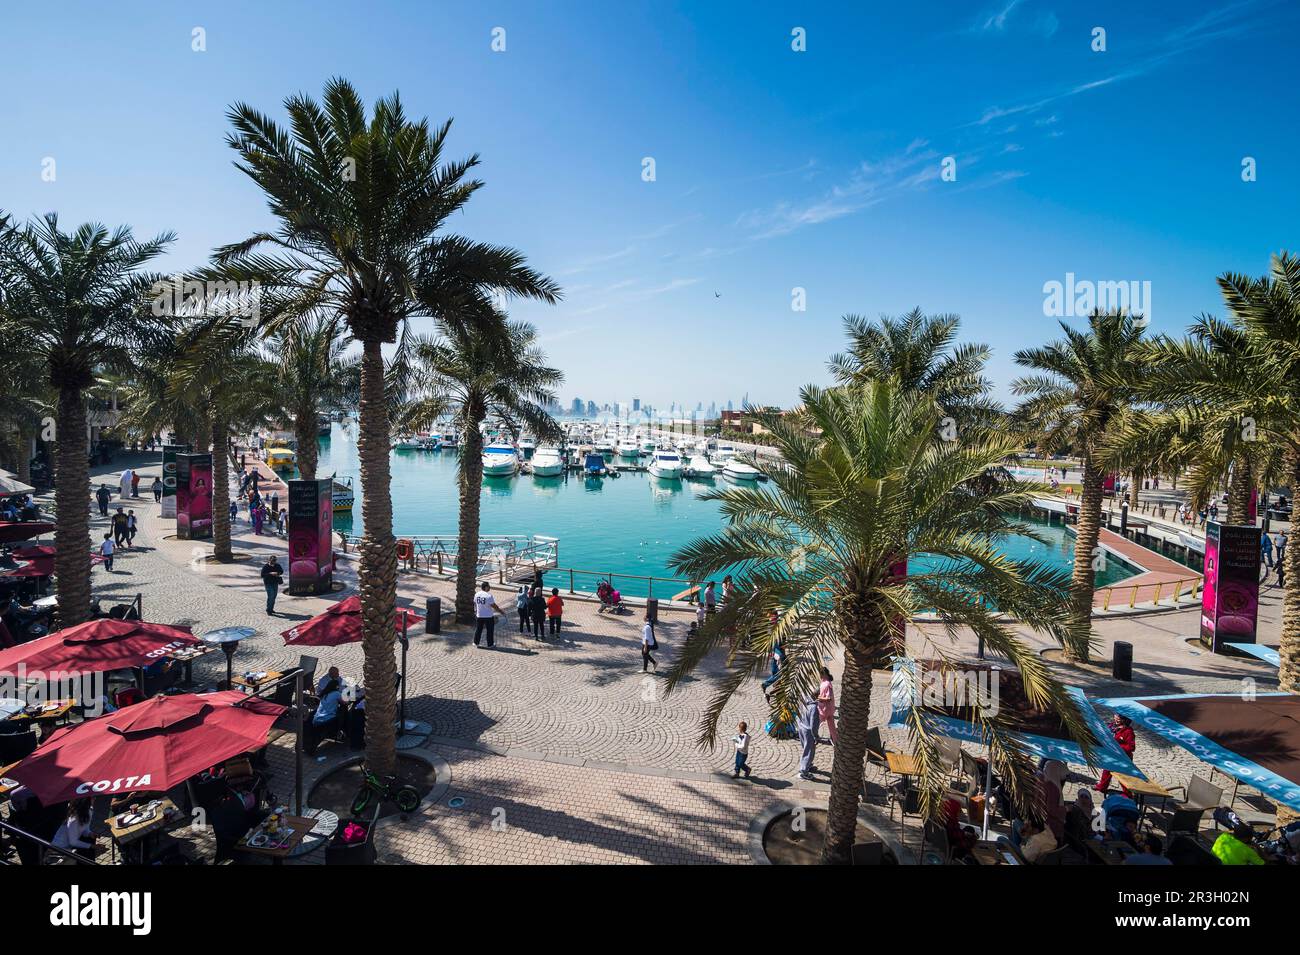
361, 205
870, 488
77, 301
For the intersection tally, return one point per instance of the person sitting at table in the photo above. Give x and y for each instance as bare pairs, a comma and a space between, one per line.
332, 675
960, 839
328, 718
1051, 779
1234, 848
1078, 820
1036, 840
75, 835
1153, 853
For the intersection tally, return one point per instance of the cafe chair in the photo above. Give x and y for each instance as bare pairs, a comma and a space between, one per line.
16, 746
308, 666
127, 697
876, 748
935, 849
1199, 796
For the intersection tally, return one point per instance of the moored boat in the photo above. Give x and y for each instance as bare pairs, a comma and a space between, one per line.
500, 460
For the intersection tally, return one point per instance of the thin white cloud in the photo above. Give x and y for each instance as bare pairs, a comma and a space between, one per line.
584, 265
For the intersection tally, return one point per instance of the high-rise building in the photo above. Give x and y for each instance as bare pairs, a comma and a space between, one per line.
636, 404
578, 406
592, 410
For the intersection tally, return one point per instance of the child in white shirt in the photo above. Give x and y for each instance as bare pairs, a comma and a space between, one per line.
741, 740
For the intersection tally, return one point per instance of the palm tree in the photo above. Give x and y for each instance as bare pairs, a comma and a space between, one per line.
313, 377
75, 300
1086, 385
1240, 378
361, 205
477, 373
921, 352
817, 556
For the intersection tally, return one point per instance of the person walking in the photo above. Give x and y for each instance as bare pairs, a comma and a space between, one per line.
106, 551
806, 728
537, 613
1266, 552
102, 497
485, 614
234, 511
710, 598
1281, 559
741, 741
1121, 728
272, 577
826, 704
554, 610
521, 605
135, 483
157, 489
259, 516
131, 528
119, 527
648, 643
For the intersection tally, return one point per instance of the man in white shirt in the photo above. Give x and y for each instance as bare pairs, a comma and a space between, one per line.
485, 611
106, 550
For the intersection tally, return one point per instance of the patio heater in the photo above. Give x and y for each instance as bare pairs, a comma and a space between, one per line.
228, 638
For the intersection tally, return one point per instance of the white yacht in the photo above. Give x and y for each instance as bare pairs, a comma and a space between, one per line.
666, 463
547, 462
628, 448
648, 446
526, 444
604, 445
500, 460
408, 442
738, 470
699, 467
450, 441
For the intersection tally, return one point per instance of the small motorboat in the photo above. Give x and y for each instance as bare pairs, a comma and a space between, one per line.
594, 465
628, 448
342, 495
738, 470
547, 462
407, 442
280, 459
500, 460
699, 468
450, 441
430, 442
666, 463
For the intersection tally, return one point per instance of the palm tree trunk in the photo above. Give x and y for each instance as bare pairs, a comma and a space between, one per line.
378, 570
1134, 483
1289, 647
1239, 488
23, 466
221, 491
72, 506
304, 429
1083, 579
850, 753
471, 483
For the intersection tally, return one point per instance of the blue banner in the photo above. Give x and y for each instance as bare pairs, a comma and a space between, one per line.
1252, 774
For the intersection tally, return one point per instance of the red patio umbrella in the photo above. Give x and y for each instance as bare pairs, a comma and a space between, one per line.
340, 624
96, 646
149, 747
13, 531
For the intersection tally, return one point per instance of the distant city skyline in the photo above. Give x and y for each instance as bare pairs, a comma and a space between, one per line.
714, 185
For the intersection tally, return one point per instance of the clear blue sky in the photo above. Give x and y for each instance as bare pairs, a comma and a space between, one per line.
775, 169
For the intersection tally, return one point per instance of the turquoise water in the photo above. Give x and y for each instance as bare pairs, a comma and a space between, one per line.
626, 525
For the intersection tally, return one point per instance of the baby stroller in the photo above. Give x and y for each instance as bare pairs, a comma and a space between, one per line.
611, 601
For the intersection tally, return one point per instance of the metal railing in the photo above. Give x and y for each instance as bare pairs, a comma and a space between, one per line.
501, 554
1173, 588
670, 588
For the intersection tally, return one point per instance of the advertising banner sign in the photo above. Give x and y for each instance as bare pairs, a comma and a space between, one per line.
194, 496
1230, 598
169, 453
311, 542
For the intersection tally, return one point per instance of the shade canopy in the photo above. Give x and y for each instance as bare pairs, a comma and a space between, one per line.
13, 531
1253, 738
96, 646
149, 747
340, 624
10, 484
1042, 734
1267, 654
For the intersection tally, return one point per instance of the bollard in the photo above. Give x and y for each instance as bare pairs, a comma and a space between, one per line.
1122, 664
433, 615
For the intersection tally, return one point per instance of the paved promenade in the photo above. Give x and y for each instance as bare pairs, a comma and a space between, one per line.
587, 756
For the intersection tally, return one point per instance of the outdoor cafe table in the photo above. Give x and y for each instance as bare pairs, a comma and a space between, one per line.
297, 827
990, 853
1110, 852
8, 785
188, 655
251, 684
1142, 789
44, 712
165, 813
904, 764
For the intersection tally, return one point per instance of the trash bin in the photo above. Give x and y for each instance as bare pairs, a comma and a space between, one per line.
433, 615
1122, 664
652, 609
